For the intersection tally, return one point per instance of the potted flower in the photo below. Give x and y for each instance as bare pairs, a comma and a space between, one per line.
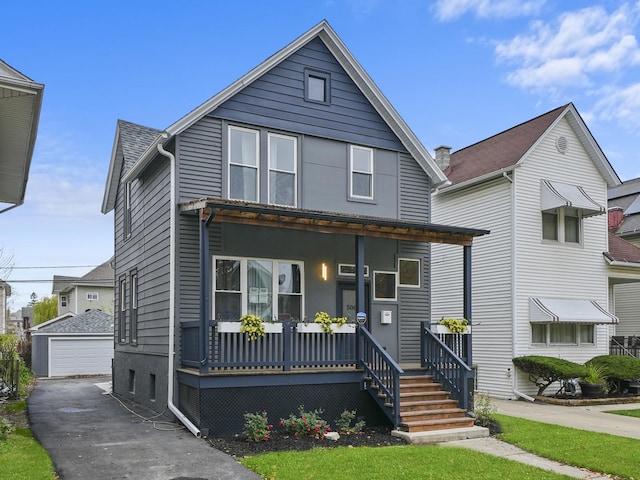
593, 384
453, 325
251, 325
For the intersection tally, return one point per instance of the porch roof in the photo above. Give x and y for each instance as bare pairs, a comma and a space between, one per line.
232, 211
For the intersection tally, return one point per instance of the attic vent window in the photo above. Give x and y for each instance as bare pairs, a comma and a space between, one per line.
561, 144
317, 86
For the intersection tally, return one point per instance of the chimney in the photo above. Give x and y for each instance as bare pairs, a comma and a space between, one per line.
616, 217
443, 157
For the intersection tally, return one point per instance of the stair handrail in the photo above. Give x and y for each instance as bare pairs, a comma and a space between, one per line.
384, 371
457, 375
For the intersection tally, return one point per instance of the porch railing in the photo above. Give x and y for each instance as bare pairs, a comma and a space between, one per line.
621, 345
447, 367
381, 374
285, 350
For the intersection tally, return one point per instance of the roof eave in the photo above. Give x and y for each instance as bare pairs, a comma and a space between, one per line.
476, 180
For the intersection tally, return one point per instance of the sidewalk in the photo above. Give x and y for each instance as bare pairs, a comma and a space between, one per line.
590, 418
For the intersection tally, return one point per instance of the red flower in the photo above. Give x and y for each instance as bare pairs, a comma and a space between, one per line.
282, 423
266, 437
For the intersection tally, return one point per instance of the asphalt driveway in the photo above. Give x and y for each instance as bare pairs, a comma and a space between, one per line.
89, 435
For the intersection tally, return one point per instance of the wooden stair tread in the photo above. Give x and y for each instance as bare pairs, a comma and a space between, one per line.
437, 411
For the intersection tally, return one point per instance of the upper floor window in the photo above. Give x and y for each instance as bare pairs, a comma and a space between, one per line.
244, 167
360, 172
122, 310
63, 301
92, 296
562, 224
282, 170
127, 210
317, 86
133, 304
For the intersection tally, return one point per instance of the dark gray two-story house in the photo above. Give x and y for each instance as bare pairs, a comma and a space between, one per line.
297, 189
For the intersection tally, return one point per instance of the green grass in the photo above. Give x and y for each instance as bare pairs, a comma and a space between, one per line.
22, 458
599, 452
17, 406
406, 462
626, 413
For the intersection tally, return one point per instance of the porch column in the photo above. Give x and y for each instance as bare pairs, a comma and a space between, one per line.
360, 299
206, 216
466, 293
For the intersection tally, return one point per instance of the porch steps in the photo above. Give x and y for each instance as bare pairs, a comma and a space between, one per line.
425, 407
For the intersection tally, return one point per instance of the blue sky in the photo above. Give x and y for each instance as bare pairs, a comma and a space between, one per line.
458, 71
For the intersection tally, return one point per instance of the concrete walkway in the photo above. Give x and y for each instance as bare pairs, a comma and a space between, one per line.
590, 418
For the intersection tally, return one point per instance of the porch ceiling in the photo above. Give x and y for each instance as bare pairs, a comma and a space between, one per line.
230, 211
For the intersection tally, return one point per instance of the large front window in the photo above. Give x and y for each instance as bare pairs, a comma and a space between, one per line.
282, 170
271, 289
562, 333
244, 171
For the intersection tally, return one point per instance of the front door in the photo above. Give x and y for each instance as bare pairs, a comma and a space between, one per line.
347, 301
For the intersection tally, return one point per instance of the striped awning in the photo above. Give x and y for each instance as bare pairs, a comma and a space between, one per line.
556, 195
548, 310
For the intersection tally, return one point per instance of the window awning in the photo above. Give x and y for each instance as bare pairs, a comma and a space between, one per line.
547, 310
556, 195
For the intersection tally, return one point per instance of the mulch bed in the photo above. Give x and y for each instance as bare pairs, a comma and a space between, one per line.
238, 446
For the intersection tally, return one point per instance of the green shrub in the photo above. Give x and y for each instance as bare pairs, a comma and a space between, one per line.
257, 426
347, 423
308, 424
483, 409
618, 368
543, 371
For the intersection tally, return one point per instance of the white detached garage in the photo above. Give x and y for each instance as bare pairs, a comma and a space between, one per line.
73, 345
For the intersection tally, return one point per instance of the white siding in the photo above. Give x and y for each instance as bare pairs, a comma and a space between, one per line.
487, 207
552, 269
627, 296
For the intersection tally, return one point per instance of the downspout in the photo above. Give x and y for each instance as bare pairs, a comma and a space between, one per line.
172, 301
514, 349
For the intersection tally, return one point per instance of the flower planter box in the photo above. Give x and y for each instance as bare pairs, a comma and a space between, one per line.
440, 329
234, 327
317, 328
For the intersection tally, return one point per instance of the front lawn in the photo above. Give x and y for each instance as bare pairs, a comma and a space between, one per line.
23, 458
599, 452
407, 462
626, 413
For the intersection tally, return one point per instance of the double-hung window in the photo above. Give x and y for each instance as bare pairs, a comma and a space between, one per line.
360, 172
122, 311
244, 167
562, 224
133, 305
271, 289
127, 210
282, 170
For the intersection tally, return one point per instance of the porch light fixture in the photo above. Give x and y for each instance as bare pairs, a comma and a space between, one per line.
324, 272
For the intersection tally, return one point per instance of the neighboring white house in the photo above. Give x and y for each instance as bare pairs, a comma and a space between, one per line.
540, 284
624, 261
92, 291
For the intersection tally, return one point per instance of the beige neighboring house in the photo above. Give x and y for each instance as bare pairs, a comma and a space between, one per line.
20, 104
5, 293
92, 291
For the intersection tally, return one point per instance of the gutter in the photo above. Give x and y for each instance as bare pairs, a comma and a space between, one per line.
475, 180
172, 284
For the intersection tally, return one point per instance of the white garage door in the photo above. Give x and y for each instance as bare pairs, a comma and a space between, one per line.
80, 356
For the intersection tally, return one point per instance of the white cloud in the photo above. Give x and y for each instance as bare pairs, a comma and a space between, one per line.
572, 50
622, 106
451, 9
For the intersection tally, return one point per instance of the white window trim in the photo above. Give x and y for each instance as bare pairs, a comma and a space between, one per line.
90, 296
560, 216
230, 163
576, 343
244, 291
385, 272
127, 211
295, 166
410, 285
352, 171
341, 273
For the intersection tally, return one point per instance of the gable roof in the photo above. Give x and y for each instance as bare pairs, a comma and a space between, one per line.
91, 321
101, 276
626, 188
503, 152
35, 328
130, 142
19, 116
355, 71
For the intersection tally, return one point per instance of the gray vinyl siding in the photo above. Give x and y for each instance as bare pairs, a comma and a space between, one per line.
147, 250
415, 191
200, 160
40, 355
276, 100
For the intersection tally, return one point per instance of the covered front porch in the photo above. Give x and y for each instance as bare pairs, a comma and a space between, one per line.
295, 360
